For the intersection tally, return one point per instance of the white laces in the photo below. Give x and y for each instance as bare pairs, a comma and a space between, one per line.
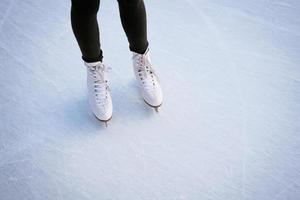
100, 82
145, 71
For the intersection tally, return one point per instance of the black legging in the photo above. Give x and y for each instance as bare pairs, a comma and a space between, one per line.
86, 31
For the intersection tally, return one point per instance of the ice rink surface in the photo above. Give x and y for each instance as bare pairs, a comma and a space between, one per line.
229, 128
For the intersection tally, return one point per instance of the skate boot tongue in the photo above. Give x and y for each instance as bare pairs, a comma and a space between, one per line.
145, 72
98, 72
98, 91
147, 78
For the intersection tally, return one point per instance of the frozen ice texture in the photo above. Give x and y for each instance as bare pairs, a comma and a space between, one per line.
228, 129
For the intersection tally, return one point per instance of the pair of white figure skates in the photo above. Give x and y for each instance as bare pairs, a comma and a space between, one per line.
99, 95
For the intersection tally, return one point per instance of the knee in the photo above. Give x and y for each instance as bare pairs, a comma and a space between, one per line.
85, 6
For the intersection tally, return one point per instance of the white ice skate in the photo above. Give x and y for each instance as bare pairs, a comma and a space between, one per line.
147, 79
98, 91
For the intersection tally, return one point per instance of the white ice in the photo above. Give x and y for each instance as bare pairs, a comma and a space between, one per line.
229, 128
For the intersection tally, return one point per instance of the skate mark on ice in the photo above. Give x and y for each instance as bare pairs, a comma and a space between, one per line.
281, 3
225, 48
12, 2
15, 162
264, 22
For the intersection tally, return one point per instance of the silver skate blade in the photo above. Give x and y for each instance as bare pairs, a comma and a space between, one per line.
104, 121
155, 107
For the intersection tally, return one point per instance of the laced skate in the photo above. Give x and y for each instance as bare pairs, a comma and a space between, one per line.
148, 81
98, 91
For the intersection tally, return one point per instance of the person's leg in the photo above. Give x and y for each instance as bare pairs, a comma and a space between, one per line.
134, 22
85, 28
86, 31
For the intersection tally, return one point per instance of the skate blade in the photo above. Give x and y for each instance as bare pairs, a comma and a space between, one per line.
104, 121
155, 107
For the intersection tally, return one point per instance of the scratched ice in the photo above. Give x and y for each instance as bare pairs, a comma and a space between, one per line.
228, 129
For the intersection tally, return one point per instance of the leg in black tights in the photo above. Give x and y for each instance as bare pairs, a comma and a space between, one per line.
86, 31
85, 28
134, 22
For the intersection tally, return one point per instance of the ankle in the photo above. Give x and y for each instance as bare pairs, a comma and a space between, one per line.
92, 64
